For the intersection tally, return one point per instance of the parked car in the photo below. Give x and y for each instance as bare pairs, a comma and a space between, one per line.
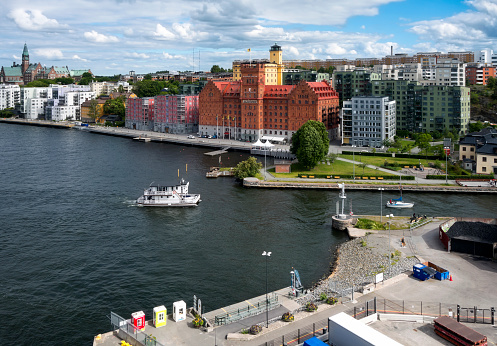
191, 137
209, 136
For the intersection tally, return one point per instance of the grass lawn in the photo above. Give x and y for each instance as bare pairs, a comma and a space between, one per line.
337, 168
380, 160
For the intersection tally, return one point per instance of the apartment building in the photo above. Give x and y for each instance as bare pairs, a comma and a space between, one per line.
140, 113
176, 113
478, 151
349, 84
368, 121
10, 95
479, 73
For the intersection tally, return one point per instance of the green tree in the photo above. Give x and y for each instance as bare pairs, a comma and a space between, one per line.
64, 80
247, 168
115, 106
363, 166
7, 113
147, 88
148, 76
310, 143
40, 83
217, 69
476, 127
332, 157
93, 111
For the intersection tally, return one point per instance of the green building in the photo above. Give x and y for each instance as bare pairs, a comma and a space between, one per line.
354, 83
427, 108
293, 77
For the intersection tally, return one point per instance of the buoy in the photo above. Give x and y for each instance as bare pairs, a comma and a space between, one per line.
450, 278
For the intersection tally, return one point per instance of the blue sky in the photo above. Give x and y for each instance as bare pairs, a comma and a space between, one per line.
116, 36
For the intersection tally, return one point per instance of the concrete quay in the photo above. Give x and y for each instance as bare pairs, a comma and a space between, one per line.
41, 123
474, 282
300, 183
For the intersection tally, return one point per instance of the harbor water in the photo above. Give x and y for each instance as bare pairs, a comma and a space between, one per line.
75, 246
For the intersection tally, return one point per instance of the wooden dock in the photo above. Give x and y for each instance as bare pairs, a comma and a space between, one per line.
215, 172
218, 152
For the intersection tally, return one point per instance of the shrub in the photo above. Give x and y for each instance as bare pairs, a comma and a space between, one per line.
287, 317
310, 307
323, 296
244, 331
255, 329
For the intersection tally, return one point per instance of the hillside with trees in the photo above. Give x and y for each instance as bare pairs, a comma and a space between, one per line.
484, 101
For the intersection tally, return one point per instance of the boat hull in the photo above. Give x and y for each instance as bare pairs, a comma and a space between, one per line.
400, 205
191, 201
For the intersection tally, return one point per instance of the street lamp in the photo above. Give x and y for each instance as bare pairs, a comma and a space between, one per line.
381, 203
266, 254
265, 149
390, 216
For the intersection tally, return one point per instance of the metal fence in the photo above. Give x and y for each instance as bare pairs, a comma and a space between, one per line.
387, 306
129, 333
250, 310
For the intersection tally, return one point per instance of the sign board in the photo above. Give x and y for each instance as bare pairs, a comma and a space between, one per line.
378, 278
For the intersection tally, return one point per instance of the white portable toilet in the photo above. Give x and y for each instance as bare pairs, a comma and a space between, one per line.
179, 311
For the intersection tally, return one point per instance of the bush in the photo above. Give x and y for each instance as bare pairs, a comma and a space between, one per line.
287, 317
454, 177
323, 296
368, 224
310, 307
350, 176
255, 329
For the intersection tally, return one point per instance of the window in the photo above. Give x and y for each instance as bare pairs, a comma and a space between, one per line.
484, 169
484, 159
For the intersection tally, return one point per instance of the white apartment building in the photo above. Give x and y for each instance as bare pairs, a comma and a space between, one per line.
105, 88
450, 72
56, 102
484, 56
10, 95
368, 121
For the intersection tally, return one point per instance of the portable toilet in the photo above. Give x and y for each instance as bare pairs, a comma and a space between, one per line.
179, 311
160, 316
138, 319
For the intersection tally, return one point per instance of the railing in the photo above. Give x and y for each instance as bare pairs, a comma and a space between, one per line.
251, 310
129, 333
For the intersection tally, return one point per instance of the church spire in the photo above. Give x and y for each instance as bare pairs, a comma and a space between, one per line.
25, 51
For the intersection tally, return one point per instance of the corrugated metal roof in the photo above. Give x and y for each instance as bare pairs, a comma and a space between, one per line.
12, 71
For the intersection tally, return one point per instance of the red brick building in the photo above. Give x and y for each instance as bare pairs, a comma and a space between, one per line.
140, 113
248, 109
176, 113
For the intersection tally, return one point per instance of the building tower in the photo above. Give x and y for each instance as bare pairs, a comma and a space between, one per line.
252, 98
276, 57
25, 59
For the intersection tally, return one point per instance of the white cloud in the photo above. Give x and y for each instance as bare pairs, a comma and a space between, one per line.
16, 57
137, 55
161, 33
128, 32
335, 48
94, 36
171, 57
292, 51
76, 57
33, 20
49, 53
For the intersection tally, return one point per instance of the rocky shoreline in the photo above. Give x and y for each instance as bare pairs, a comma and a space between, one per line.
357, 262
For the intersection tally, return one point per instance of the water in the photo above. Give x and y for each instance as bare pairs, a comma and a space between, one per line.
75, 246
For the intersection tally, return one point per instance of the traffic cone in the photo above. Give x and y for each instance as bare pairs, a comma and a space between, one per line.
450, 278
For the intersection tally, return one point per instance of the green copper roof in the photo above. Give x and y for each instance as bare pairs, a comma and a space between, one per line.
12, 71
25, 51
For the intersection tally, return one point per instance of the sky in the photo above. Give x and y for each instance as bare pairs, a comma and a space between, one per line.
112, 37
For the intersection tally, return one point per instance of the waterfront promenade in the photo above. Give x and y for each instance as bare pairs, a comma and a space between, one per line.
473, 284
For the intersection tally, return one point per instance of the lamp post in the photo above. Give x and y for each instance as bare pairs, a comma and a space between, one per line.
266, 254
381, 203
390, 216
265, 149
217, 128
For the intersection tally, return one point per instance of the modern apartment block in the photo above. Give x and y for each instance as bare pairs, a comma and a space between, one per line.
368, 121
293, 76
140, 113
56, 102
479, 73
176, 113
427, 108
10, 95
106, 88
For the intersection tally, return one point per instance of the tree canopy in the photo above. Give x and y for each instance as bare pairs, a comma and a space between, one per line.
217, 69
247, 168
115, 106
310, 143
151, 88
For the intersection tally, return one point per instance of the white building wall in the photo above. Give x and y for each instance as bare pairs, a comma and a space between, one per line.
10, 95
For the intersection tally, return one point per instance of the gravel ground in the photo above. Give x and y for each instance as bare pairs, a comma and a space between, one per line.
358, 261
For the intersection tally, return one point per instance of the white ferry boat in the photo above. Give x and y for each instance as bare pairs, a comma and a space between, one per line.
168, 196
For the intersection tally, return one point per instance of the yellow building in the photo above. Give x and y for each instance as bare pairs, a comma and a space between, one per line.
273, 69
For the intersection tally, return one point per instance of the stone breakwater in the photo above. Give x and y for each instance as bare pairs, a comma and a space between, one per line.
357, 262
